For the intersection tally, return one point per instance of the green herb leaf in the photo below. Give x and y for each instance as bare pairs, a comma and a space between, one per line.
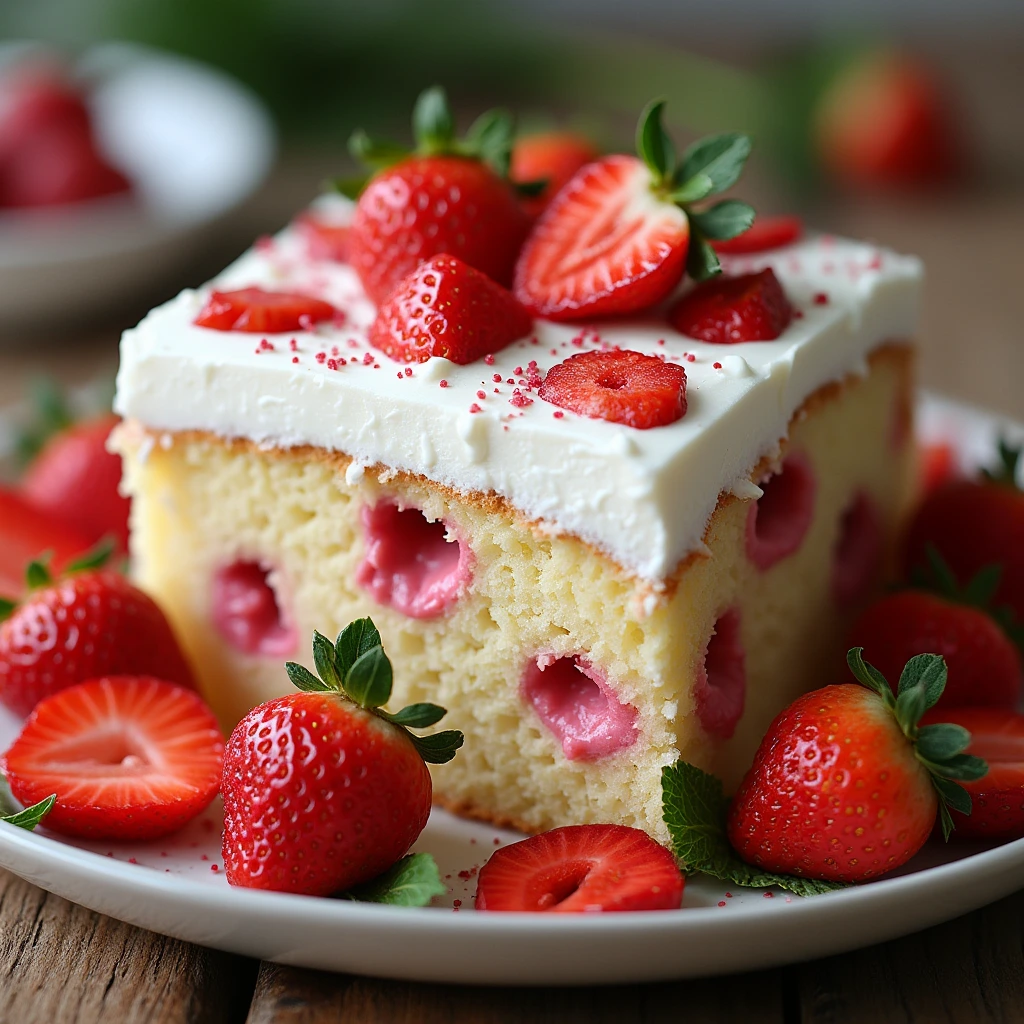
31, 816
490, 138
440, 747
720, 157
701, 259
432, 125
726, 219
368, 682
699, 187
694, 809
354, 641
939, 742
412, 882
654, 145
304, 680
867, 675
323, 658
416, 716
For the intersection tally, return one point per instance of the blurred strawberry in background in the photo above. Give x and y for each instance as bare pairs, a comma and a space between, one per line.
883, 123
48, 152
551, 157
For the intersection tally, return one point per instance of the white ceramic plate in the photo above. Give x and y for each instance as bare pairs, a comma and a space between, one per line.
195, 144
177, 887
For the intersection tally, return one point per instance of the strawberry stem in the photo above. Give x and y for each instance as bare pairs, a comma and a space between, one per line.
1005, 473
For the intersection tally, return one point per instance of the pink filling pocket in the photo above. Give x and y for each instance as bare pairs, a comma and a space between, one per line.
721, 690
576, 703
779, 520
857, 556
410, 563
246, 611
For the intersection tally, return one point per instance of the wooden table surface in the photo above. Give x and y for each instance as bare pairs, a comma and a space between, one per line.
61, 963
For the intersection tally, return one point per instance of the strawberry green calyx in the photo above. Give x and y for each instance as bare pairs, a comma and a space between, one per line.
356, 667
979, 592
489, 140
1005, 474
940, 748
711, 165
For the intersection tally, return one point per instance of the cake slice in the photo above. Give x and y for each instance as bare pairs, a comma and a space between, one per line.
590, 599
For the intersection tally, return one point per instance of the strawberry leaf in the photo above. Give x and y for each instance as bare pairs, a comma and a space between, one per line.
7, 606
354, 641
720, 157
927, 672
38, 572
726, 219
95, 558
440, 747
323, 658
699, 187
368, 681
939, 742
701, 259
490, 139
694, 810
51, 416
654, 145
412, 882
31, 816
302, 679
867, 675
350, 188
432, 125
416, 716
1005, 473
375, 153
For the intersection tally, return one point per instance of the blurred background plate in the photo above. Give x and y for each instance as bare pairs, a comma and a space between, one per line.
195, 145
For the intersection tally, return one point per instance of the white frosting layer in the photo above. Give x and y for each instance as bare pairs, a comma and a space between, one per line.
642, 496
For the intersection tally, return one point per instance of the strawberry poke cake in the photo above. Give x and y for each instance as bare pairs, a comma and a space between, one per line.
611, 486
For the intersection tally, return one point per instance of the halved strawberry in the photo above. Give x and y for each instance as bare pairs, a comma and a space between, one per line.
550, 157
258, 311
764, 234
750, 307
74, 478
129, 757
446, 308
621, 386
581, 869
25, 535
997, 799
619, 235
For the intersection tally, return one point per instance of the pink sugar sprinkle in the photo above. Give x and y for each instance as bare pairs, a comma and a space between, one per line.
661, 341
489, 359
293, 345
443, 384
497, 841
554, 351
204, 857
295, 359
408, 371
368, 359
519, 400
332, 364
518, 371
691, 358
456, 904
321, 356
768, 895
820, 299
496, 378
721, 903
728, 895
267, 346
558, 415
399, 375
717, 366
132, 860
214, 867
475, 408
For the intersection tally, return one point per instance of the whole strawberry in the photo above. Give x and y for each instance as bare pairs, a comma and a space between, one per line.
449, 196
846, 783
324, 789
91, 622
619, 236
552, 158
974, 524
956, 622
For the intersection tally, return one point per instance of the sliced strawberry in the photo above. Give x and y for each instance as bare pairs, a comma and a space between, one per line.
604, 246
446, 308
621, 386
75, 479
323, 241
766, 233
25, 535
258, 311
129, 757
551, 157
997, 799
726, 310
581, 869
85, 625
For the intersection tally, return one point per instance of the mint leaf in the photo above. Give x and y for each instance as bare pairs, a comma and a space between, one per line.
720, 157
354, 641
694, 809
416, 716
302, 679
31, 816
726, 219
412, 882
368, 682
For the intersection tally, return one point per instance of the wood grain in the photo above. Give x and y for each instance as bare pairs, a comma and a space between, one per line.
63, 964
967, 971
288, 995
